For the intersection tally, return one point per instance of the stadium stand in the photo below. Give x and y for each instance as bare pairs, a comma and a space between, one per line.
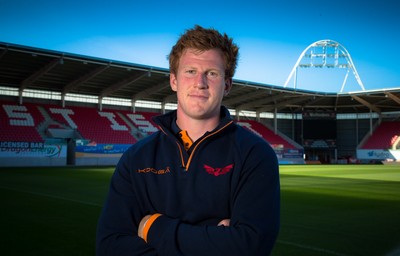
261, 130
142, 121
102, 127
382, 137
32, 75
19, 122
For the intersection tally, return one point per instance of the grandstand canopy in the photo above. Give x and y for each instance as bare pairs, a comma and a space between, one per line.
23, 67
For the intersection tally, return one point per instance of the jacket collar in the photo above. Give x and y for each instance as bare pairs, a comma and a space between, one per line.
168, 120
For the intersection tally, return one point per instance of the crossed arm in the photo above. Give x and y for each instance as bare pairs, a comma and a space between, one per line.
251, 229
146, 222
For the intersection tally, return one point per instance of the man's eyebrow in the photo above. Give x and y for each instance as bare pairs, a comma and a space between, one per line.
215, 68
188, 66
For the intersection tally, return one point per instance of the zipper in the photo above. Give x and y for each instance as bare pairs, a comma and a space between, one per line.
203, 139
179, 146
187, 165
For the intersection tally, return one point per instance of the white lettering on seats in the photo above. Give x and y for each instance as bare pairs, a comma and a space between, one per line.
248, 126
141, 122
65, 114
18, 115
115, 125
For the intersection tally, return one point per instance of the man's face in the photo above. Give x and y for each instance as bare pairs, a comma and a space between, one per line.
200, 83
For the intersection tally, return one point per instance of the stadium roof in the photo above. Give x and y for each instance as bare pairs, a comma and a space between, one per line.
24, 67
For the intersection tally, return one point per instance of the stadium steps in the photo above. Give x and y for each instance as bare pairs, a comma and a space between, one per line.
382, 136
275, 140
284, 137
53, 129
134, 131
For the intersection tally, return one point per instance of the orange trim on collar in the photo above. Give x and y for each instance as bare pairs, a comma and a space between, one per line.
186, 140
195, 147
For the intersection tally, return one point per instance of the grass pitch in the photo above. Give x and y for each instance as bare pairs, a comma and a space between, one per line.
325, 210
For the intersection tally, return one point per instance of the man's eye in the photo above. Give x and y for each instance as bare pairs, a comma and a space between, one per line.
213, 74
191, 71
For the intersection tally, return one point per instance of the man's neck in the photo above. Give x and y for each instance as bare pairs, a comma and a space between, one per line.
197, 127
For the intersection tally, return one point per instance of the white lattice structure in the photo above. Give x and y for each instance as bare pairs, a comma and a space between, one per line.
325, 54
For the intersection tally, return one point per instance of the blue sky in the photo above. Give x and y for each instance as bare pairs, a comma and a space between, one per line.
271, 34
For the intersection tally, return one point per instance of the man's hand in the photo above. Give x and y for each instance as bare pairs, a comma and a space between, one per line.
142, 224
225, 222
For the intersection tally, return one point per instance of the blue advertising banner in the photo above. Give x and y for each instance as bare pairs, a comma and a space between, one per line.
32, 149
100, 149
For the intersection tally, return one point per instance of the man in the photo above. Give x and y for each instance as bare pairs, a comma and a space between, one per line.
202, 185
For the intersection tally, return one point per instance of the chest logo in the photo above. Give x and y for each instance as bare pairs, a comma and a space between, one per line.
155, 171
218, 171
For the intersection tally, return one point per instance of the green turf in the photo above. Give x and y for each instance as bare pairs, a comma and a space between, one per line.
51, 211
326, 210
339, 210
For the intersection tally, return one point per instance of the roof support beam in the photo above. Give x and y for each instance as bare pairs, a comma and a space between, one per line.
109, 90
281, 104
232, 101
367, 104
74, 84
170, 98
3, 52
151, 90
264, 101
32, 78
393, 97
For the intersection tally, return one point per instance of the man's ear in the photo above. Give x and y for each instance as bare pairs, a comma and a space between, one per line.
228, 86
173, 82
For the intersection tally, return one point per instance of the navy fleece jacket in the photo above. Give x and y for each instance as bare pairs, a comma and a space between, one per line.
231, 173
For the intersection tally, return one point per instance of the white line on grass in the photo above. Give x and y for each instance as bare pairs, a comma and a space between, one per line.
52, 196
312, 248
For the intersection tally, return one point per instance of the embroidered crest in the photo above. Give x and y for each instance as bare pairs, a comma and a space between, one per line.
218, 171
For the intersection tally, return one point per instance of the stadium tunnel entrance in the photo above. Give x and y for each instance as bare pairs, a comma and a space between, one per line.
320, 155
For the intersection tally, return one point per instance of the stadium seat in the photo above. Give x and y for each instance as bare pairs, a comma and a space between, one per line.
103, 127
19, 122
381, 138
261, 130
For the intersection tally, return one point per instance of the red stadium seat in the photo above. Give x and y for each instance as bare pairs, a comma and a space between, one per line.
382, 136
20, 122
103, 127
273, 139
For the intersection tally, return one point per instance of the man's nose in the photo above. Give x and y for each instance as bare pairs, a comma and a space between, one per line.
201, 80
